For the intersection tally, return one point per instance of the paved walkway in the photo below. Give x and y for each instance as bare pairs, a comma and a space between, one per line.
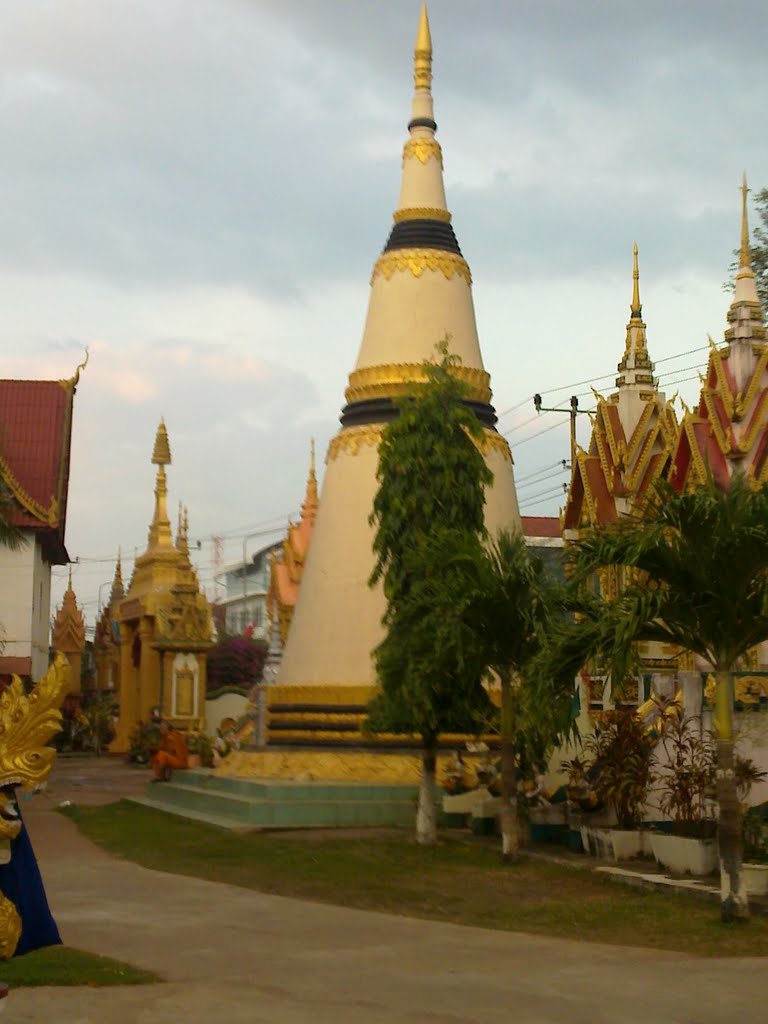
239, 956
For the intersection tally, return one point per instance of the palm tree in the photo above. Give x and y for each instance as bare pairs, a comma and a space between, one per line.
513, 605
697, 578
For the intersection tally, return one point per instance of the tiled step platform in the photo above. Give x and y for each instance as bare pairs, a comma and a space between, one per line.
269, 803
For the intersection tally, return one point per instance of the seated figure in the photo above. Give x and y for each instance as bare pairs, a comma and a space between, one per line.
172, 753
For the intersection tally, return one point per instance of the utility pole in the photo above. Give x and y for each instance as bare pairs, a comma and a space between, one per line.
573, 413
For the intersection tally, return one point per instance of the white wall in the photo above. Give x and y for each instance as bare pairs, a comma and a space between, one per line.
25, 604
230, 705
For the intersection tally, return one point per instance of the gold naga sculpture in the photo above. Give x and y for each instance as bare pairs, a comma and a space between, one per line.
27, 723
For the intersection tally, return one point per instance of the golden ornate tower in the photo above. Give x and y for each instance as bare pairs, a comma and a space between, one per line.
68, 636
421, 291
165, 623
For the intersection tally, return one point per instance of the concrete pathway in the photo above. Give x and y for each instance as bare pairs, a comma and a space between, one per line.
236, 956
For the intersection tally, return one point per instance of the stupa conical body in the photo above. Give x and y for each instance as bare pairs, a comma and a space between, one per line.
421, 292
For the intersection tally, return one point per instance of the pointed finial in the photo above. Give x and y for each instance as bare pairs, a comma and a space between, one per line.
636, 308
745, 256
422, 54
310, 496
161, 454
69, 583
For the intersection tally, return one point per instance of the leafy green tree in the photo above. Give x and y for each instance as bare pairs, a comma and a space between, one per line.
698, 579
759, 249
431, 493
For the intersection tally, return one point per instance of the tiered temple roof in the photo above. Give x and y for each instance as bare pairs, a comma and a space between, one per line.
288, 566
634, 434
728, 431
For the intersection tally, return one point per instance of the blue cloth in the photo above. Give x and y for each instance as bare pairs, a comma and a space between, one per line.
21, 882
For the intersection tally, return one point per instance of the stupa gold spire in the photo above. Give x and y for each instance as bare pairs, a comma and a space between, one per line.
422, 54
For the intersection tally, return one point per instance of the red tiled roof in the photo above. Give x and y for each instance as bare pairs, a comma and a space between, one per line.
35, 436
540, 526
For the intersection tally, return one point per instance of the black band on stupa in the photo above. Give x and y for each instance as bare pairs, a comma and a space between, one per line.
422, 122
384, 410
423, 234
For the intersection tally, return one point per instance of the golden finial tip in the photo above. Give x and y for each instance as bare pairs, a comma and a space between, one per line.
745, 255
635, 308
422, 54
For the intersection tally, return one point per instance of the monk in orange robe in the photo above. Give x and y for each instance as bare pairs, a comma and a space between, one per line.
171, 754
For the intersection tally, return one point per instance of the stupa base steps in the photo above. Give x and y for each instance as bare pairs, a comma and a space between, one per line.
249, 803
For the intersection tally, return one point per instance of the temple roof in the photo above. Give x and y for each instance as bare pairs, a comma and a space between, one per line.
728, 430
287, 567
634, 432
35, 441
68, 633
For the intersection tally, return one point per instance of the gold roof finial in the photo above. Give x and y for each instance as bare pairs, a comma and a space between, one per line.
636, 308
161, 454
310, 498
745, 256
422, 54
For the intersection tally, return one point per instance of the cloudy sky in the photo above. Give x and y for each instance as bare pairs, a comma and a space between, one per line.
197, 189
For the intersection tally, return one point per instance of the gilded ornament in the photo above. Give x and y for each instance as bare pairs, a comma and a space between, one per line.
26, 725
421, 213
10, 928
353, 440
49, 516
395, 379
416, 261
423, 150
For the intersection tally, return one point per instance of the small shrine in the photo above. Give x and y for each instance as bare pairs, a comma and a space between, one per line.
165, 623
68, 636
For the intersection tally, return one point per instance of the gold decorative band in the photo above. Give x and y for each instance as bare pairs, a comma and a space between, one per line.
493, 441
416, 261
421, 213
423, 150
353, 440
391, 380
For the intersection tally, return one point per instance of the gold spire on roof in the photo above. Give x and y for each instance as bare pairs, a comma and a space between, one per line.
637, 309
161, 454
422, 54
160, 529
310, 497
745, 256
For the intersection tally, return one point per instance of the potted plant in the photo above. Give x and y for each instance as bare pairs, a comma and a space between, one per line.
686, 784
621, 767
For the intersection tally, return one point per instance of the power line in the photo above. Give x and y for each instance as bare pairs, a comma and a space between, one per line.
542, 479
597, 380
542, 469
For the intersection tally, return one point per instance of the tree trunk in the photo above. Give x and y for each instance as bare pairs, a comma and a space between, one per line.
734, 902
426, 815
510, 840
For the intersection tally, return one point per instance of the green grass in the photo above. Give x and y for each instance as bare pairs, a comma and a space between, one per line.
60, 965
458, 880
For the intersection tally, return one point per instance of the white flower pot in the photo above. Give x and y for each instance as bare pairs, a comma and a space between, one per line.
615, 843
684, 856
464, 803
755, 878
